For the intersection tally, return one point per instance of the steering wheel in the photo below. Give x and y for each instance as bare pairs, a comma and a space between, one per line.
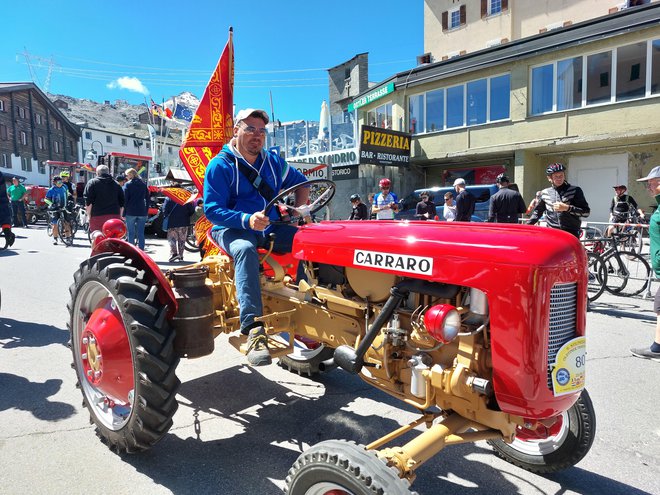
321, 192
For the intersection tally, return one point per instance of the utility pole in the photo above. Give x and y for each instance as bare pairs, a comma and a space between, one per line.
35, 79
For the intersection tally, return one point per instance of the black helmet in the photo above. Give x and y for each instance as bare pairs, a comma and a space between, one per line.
355, 197
120, 177
502, 178
57, 178
554, 167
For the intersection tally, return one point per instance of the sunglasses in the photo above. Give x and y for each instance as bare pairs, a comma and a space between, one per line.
250, 129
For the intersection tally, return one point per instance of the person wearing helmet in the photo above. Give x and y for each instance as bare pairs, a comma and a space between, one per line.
359, 209
56, 198
425, 209
564, 205
385, 202
506, 204
66, 182
623, 208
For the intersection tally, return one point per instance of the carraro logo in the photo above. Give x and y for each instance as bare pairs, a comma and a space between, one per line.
396, 262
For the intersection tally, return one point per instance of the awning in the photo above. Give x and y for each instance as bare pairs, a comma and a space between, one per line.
9, 176
178, 175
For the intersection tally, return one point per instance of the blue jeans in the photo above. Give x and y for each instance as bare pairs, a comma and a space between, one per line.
135, 227
242, 246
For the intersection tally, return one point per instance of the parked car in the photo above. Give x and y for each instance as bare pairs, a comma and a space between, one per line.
482, 192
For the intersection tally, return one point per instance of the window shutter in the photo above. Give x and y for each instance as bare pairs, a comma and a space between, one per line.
462, 14
484, 8
445, 23
505, 5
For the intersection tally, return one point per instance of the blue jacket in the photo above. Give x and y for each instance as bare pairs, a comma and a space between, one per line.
230, 198
57, 195
177, 215
136, 198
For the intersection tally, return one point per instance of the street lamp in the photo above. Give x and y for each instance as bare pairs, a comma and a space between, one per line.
92, 154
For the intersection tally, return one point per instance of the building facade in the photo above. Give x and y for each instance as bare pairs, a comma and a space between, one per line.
32, 131
587, 95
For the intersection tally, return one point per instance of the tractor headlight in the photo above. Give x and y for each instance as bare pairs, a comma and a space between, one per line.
442, 322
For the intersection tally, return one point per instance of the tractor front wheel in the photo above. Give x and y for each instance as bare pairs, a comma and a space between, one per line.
338, 467
123, 352
552, 449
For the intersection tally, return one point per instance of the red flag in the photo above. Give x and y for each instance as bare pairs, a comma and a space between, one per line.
177, 194
213, 123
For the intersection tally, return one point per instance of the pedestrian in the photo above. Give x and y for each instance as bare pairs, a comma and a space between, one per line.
385, 202
104, 198
506, 204
359, 211
199, 211
425, 209
564, 205
17, 194
623, 208
56, 198
240, 181
136, 207
653, 185
5, 212
465, 201
176, 220
121, 179
449, 209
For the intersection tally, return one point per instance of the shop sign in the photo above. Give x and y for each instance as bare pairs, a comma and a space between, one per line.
335, 158
311, 170
384, 147
372, 96
345, 173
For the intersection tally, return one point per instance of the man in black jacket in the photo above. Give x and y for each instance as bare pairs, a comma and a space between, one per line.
465, 201
359, 211
564, 205
506, 204
104, 198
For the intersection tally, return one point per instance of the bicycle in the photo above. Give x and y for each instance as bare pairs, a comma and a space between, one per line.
626, 272
632, 226
65, 225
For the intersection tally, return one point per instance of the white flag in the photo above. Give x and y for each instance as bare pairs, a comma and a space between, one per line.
152, 138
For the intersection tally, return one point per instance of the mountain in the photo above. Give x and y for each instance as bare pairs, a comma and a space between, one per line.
119, 116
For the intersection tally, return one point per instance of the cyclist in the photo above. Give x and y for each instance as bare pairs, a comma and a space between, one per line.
5, 212
56, 198
66, 182
622, 208
385, 202
564, 205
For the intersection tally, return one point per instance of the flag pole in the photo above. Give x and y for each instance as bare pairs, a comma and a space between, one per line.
272, 116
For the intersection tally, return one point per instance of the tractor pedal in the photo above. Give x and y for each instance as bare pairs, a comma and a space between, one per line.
276, 345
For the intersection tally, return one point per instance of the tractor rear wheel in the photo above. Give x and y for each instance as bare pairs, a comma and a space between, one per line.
123, 352
552, 449
338, 467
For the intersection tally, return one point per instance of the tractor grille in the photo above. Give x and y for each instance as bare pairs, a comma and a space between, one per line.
563, 307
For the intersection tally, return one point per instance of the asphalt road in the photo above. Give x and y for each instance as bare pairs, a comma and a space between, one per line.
238, 430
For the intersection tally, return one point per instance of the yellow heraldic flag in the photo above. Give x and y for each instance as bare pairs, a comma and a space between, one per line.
177, 194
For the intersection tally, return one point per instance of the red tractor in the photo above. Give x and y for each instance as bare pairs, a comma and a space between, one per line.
480, 328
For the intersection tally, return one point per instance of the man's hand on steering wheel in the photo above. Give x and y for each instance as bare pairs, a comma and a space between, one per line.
259, 221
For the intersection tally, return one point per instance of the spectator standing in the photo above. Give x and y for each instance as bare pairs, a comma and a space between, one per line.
449, 210
121, 179
385, 202
176, 219
653, 185
5, 212
360, 211
622, 208
506, 204
564, 205
465, 201
56, 198
425, 209
136, 207
104, 198
17, 194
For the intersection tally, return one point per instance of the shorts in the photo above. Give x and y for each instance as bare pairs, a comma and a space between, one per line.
95, 223
54, 216
656, 302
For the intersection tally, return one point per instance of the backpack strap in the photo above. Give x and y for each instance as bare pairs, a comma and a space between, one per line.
255, 179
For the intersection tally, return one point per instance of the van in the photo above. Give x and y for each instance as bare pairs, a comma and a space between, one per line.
481, 192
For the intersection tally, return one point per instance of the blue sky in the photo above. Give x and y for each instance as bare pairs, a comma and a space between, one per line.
108, 50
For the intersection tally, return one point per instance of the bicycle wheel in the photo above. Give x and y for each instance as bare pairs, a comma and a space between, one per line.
627, 273
49, 229
65, 232
597, 276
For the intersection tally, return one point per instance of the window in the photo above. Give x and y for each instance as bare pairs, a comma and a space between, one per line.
23, 137
599, 84
655, 67
56, 146
569, 83
435, 110
631, 71
455, 106
124, 141
88, 135
108, 139
452, 19
58, 125
21, 112
37, 118
3, 132
416, 114
542, 78
5, 162
384, 116
477, 102
40, 142
26, 165
41, 167
494, 7
169, 150
2, 105
500, 95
